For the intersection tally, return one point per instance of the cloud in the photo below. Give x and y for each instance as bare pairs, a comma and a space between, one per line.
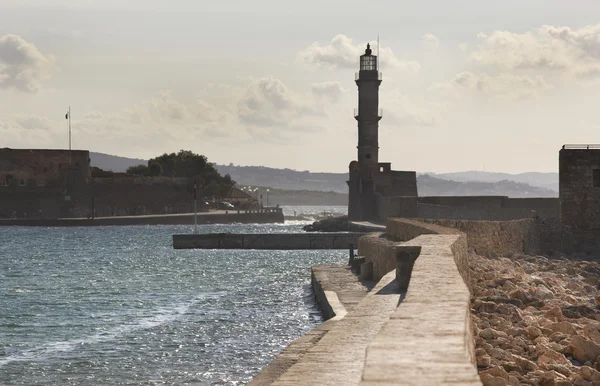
22, 65
503, 85
36, 123
400, 110
268, 102
574, 52
331, 91
431, 40
342, 52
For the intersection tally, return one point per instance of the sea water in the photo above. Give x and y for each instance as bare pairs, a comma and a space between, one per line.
119, 306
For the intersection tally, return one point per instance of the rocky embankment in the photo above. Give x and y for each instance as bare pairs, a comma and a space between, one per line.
330, 224
536, 320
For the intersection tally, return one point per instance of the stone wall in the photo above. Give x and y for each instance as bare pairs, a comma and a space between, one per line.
497, 237
111, 197
396, 206
491, 208
579, 188
33, 167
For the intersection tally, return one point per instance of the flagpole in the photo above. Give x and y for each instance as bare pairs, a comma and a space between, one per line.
195, 209
70, 159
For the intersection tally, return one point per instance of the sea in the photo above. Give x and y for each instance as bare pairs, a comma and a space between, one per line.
117, 305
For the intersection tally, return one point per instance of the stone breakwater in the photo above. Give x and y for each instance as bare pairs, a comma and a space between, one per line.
536, 320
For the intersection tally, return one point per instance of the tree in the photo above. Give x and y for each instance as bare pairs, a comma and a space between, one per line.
139, 170
154, 169
186, 164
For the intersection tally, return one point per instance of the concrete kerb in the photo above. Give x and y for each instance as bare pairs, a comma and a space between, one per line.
328, 301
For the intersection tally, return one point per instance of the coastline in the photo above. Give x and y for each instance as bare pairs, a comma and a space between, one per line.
216, 217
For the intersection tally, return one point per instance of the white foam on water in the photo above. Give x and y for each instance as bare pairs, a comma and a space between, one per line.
161, 316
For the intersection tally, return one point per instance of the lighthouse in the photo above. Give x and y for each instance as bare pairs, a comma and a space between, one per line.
368, 114
375, 190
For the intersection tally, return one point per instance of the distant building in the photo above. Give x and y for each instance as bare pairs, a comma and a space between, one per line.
579, 186
38, 167
375, 190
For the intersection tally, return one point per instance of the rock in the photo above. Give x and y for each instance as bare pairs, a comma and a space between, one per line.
524, 363
577, 380
573, 285
496, 371
483, 306
590, 374
563, 369
532, 332
549, 356
592, 331
484, 361
558, 336
576, 312
513, 381
543, 292
521, 295
584, 349
496, 353
592, 280
550, 378
554, 314
479, 352
490, 380
502, 300
488, 334
331, 224
563, 327
597, 300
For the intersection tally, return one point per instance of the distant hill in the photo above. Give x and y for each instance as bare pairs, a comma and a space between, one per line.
432, 186
114, 163
469, 183
542, 180
286, 178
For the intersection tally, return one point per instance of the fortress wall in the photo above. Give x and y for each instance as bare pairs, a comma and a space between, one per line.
466, 201
497, 237
112, 197
35, 166
487, 208
396, 206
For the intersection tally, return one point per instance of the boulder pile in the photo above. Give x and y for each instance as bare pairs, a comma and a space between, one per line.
536, 320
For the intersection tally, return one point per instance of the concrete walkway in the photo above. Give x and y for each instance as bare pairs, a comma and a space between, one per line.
333, 278
338, 357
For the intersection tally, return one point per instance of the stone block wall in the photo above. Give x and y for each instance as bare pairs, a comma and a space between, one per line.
379, 251
36, 167
497, 237
579, 188
490, 208
396, 206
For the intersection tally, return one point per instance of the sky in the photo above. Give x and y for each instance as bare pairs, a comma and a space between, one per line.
467, 84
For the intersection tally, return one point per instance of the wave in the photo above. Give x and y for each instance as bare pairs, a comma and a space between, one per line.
161, 316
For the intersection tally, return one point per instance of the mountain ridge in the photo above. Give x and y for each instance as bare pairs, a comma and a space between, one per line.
467, 183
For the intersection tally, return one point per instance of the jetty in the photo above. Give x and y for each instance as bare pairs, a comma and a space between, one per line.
272, 241
255, 216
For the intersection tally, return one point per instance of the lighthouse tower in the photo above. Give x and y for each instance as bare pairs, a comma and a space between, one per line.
375, 190
368, 114
362, 203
